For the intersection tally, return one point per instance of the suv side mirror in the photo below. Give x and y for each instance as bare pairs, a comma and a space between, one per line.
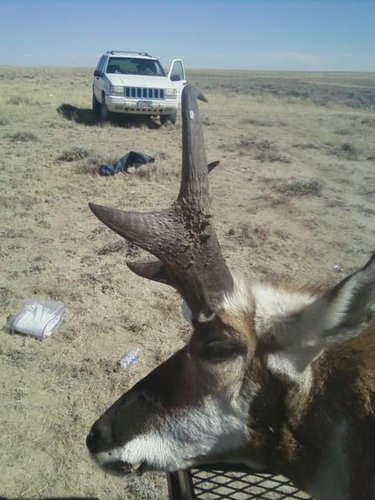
97, 73
175, 78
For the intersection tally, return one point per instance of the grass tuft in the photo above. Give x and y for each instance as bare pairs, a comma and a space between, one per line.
4, 120
19, 100
263, 151
346, 151
73, 154
23, 137
301, 187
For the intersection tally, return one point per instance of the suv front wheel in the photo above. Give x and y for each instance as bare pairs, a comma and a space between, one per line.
166, 119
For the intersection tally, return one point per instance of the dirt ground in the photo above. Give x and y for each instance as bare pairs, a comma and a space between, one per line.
294, 195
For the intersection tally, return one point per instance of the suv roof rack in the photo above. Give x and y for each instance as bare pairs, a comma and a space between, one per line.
113, 52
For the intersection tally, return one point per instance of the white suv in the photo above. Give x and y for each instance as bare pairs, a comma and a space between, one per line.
135, 83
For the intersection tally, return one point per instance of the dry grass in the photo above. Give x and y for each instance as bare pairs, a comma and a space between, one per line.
293, 195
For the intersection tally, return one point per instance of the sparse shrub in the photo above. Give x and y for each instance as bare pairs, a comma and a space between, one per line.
112, 247
146, 489
249, 235
162, 155
263, 151
207, 121
17, 100
5, 296
310, 187
255, 121
23, 137
143, 172
4, 120
307, 145
129, 249
164, 170
88, 167
347, 151
368, 121
90, 163
74, 154
343, 131
271, 156
253, 143
348, 148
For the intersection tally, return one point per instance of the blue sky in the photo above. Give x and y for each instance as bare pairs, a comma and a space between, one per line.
317, 35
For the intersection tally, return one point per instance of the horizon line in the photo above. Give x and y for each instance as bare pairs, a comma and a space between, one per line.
45, 66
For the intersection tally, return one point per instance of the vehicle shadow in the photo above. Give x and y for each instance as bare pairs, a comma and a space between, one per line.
86, 116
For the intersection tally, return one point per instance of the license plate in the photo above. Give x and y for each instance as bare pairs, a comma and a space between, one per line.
144, 104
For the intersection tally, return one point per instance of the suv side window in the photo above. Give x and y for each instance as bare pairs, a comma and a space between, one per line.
102, 64
98, 66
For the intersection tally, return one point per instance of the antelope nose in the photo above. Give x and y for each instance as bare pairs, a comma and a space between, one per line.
99, 438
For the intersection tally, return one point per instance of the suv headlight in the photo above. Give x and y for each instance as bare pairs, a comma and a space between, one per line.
116, 89
170, 92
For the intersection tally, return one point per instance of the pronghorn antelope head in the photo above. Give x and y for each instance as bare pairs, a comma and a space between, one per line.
274, 377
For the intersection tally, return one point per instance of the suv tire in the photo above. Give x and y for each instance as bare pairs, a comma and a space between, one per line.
95, 108
168, 119
103, 112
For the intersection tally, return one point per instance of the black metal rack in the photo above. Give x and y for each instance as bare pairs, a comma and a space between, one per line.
230, 482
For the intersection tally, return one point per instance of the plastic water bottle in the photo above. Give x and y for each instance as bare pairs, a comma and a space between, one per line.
129, 359
186, 312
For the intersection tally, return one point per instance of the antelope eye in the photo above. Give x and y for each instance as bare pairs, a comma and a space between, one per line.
221, 350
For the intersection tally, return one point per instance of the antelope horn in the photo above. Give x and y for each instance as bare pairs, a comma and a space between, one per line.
182, 237
194, 178
212, 165
152, 270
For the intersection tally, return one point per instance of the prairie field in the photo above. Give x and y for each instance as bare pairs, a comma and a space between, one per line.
293, 196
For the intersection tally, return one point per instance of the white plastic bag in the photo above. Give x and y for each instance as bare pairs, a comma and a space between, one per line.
37, 318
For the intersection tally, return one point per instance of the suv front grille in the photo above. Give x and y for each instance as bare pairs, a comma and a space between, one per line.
144, 93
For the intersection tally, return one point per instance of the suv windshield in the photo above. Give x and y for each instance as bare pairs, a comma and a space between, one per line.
134, 66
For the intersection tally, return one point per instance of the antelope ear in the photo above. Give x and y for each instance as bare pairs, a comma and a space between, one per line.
340, 314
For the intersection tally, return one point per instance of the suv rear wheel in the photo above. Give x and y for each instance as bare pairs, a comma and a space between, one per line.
95, 107
103, 112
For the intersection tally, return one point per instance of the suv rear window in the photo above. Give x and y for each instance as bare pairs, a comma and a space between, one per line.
134, 66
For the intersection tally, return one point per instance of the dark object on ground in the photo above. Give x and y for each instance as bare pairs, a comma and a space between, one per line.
132, 159
57, 498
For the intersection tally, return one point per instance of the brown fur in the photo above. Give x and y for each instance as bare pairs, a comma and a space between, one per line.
292, 430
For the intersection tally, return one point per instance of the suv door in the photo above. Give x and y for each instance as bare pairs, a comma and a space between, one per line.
177, 75
98, 78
